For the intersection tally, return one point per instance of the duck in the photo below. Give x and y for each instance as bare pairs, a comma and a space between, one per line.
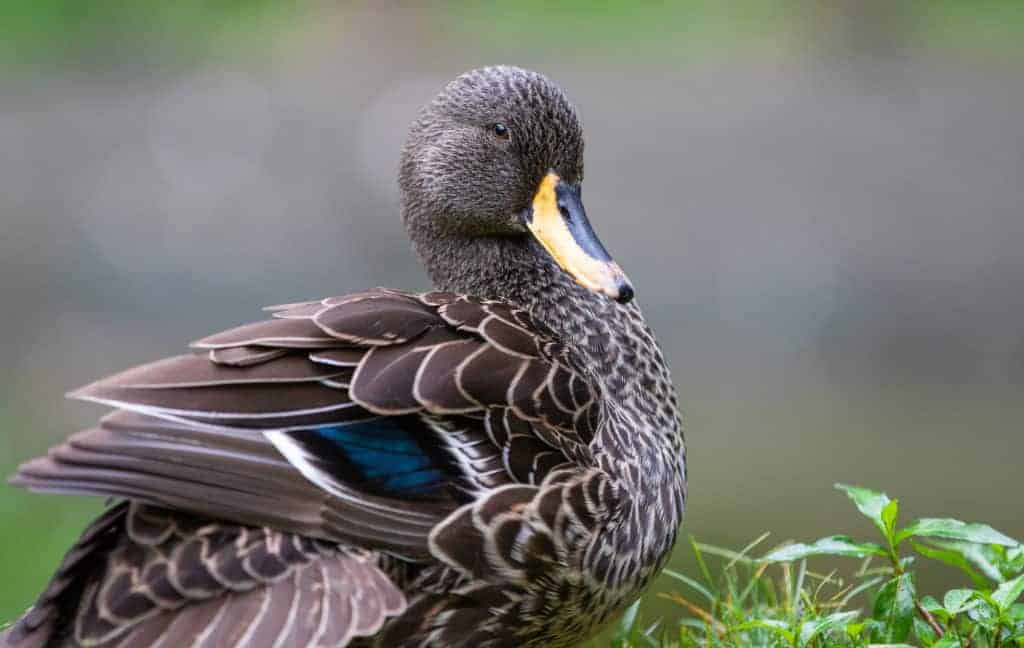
498, 461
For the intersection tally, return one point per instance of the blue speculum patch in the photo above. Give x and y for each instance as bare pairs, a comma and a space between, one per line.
385, 456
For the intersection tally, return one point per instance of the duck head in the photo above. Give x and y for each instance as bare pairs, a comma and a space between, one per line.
491, 178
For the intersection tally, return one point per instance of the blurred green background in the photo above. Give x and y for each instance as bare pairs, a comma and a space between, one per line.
820, 204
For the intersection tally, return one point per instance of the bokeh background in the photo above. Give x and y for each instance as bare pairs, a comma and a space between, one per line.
820, 204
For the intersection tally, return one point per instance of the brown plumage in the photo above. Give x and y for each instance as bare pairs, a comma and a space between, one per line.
145, 576
387, 468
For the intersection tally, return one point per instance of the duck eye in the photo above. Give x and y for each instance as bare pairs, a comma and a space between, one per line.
501, 130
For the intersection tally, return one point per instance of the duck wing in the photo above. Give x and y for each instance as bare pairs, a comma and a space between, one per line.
365, 419
145, 576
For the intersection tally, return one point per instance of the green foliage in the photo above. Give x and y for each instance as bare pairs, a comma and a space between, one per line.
83, 33
63, 32
830, 546
776, 601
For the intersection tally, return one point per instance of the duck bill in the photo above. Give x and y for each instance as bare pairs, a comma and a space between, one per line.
558, 221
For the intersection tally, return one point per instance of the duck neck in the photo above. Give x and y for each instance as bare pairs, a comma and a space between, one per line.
640, 442
609, 342
518, 270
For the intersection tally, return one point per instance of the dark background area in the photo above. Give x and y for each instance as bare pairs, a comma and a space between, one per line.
820, 204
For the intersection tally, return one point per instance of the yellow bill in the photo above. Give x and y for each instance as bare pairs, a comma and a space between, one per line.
558, 221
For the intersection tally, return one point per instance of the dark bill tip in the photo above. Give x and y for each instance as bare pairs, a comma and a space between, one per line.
626, 292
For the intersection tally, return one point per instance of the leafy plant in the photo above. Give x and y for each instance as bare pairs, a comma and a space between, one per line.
775, 601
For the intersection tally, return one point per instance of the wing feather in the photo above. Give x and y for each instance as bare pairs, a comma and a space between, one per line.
229, 475
493, 413
185, 586
290, 333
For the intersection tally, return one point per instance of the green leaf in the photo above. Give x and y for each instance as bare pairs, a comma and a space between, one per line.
955, 530
705, 572
1017, 633
953, 559
1016, 612
868, 502
959, 600
984, 615
889, 513
1015, 559
811, 629
981, 556
929, 603
1008, 593
831, 546
868, 584
948, 640
854, 630
627, 622
894, 607
780, 628
924, 632
686, 580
